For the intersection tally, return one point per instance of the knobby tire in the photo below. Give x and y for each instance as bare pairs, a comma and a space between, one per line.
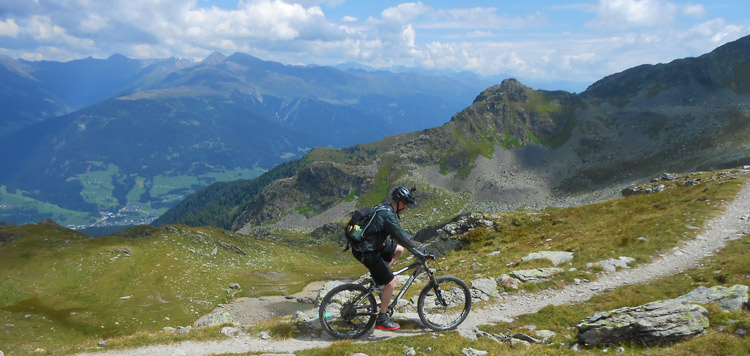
344, 313
438, 316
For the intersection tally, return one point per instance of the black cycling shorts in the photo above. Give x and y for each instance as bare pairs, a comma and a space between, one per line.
377, 263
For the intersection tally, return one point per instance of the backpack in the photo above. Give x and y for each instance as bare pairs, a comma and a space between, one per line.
355, 230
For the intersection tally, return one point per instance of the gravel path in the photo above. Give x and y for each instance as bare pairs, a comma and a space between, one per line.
732, 225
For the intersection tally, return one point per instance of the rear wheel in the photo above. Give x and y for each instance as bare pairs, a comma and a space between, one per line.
446, 305
348, 311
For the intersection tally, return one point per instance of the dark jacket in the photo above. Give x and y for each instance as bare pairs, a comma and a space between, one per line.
386, 224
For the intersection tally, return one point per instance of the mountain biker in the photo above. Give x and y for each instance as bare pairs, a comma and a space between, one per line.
378, 255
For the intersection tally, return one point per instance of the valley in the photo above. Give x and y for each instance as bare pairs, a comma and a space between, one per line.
148, 133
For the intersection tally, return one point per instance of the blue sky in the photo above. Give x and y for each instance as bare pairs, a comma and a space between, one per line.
577, 42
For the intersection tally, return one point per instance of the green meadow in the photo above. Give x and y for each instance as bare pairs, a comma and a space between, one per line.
139, 197
63, 291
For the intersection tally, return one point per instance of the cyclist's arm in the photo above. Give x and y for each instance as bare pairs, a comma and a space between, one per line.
392, 227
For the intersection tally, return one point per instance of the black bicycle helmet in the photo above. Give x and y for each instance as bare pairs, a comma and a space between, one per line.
404, 195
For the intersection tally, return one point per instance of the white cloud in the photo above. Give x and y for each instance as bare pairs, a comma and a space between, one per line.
9, 28
404, 12
694, 10
477, 18
42, 29
93, 23
710, 34
624, 14
489, 40
408, 35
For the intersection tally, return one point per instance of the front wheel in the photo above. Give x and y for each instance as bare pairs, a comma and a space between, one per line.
446, 305
348, 311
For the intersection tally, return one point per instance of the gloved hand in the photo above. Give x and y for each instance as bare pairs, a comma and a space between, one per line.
423, 254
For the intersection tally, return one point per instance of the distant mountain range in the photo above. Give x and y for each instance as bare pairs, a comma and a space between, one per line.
120, 140
513, 147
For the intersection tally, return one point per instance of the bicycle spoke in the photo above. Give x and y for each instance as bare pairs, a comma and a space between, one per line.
348, 311
447, 312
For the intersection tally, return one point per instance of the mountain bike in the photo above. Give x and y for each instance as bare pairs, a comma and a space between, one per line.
348, 311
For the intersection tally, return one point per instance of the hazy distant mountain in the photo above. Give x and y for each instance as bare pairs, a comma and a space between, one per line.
515, 147
148, 132
23, 99
35, 91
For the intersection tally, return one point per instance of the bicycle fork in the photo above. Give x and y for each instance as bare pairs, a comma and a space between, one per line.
436, 288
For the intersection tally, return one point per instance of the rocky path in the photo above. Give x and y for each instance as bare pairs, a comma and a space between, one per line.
732, 225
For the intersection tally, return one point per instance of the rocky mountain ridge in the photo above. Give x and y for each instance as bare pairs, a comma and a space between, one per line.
516, 147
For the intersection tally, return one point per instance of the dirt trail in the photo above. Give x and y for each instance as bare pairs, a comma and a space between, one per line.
733, 224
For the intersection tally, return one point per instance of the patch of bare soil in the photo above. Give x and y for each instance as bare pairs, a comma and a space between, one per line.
249, 311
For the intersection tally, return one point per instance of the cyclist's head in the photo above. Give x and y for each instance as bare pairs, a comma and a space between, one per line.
404, 195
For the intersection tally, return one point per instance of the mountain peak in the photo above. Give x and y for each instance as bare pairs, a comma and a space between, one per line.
117, 56
214, 58
510, 88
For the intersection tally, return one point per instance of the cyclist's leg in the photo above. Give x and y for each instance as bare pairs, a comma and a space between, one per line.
391, 253
385, 296
396, 255
381, 273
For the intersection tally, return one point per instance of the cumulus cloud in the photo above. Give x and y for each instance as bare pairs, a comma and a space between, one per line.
9, 28
404, 12
618, 33
710, 34
623, 14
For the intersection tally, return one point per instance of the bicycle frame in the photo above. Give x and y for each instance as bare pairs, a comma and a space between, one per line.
349, 310
419, 266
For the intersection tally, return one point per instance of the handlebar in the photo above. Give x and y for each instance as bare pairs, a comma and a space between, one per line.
429, 257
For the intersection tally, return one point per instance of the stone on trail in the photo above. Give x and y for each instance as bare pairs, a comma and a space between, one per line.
507, 281
611, 264
484, 288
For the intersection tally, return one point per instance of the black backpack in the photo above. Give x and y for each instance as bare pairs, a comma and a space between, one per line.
356, 229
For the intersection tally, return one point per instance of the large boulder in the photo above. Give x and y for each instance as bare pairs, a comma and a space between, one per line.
443, 244
727, 298
652, 323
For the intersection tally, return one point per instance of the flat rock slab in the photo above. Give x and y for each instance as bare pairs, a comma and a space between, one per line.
535, 275
732, 298
556, 257
653, 323
610, 265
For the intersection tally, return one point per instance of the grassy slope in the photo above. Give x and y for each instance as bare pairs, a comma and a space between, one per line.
62, 288
594, 232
